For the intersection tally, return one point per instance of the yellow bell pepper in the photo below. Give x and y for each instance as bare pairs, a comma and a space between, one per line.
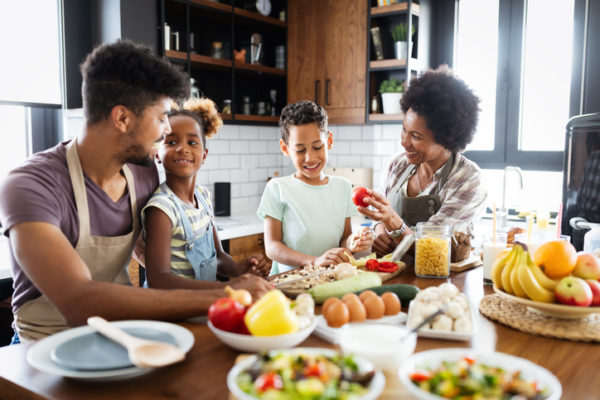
271, 315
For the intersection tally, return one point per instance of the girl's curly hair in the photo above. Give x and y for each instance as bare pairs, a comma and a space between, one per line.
448, 105
204, 112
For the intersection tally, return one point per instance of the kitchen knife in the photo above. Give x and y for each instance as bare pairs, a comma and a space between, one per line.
403, 247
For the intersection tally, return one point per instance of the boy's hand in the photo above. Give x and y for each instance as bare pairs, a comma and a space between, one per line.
256, 264
332, 257
383, 244
361, 240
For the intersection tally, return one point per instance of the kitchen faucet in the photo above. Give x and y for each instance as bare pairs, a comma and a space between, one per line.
506, 170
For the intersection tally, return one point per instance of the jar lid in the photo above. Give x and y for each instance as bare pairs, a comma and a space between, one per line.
217, 44
227, 101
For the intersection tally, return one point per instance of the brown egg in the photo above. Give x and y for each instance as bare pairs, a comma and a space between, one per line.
357, 310
374, 306
337, 314
328, 304
392, 303
367, 293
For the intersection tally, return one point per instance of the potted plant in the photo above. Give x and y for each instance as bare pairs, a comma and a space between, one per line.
400, 36
391, 93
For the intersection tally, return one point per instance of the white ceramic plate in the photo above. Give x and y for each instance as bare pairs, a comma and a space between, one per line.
254, 344
332, 335
433, 358
449, 335
38, 355
552, 309
375, 387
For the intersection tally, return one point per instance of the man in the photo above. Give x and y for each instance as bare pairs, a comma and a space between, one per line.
71, 213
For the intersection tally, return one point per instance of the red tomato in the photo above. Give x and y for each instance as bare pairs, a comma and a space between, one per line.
226, 314
420, 375
268, 380
358, 196
317, 369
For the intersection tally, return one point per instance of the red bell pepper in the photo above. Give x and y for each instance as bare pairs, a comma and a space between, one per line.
372, 265
420, 375
268, 380
387, 266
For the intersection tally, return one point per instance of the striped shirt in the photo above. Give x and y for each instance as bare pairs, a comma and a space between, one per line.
463, 196
199, 219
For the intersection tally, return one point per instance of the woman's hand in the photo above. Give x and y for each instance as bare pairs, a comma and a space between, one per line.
361, 240
256, 264
255, 285
383, 210
383, 244
332, 257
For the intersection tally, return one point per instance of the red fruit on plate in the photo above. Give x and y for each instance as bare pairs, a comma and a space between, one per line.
595, 286
226, 314
358, 196
587, 267
573, 291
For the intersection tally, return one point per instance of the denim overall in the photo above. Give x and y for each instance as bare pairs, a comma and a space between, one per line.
200, 251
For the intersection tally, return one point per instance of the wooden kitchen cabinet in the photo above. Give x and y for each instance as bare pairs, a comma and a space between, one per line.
243, 247
327, 43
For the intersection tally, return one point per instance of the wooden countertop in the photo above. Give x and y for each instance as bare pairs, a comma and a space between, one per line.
203, 374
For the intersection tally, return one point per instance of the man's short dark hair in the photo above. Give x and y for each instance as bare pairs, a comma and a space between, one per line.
448, 105
300, 113
128, 74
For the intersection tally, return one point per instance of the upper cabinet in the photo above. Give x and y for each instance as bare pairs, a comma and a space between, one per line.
234, 50
327, 43
405, 20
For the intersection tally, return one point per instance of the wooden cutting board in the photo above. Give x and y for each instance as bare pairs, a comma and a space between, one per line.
468, 263
385, 276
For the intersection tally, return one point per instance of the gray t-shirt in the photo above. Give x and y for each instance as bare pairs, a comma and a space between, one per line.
40, 191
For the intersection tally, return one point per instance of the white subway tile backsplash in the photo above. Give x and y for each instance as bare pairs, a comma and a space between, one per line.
249, 161
258, 175
273, 147
249, 189
218, 146
219, 175
347, 161
377, 129
248, 132
229, 162
361, 147
235, 190
258, 146
202, 178
385, 147
340, 147
228, 132
349, 132
368, 131
211, 162
240, 175
332, 161
391, 131
267, 160
269, 133
367, 161
239, 146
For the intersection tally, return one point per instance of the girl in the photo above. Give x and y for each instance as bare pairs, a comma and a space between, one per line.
183, 249
307, 215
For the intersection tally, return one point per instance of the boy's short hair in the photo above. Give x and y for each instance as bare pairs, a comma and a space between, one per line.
300, 113
128, 74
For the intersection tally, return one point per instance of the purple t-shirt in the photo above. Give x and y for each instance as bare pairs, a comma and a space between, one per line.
41, 191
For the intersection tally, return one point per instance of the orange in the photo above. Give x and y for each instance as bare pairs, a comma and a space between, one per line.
556, 258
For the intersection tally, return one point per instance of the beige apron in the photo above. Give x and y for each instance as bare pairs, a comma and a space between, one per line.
106, 257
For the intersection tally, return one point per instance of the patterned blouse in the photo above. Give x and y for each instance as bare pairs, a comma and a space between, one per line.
463, 196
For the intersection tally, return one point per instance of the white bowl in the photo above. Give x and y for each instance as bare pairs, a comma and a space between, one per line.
433, 358
375, 387
254, 344
378, 343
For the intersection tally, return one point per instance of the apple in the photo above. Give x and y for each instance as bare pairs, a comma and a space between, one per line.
587, 267
595, 286
573, 291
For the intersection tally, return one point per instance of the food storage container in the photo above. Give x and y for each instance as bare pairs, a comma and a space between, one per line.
432, 250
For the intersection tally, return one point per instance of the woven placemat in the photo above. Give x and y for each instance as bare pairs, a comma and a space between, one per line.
521, 318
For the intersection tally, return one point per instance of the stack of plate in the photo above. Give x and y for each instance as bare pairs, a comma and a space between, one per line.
81, 353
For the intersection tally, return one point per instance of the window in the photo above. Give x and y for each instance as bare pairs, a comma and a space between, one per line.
517, 55
16, 139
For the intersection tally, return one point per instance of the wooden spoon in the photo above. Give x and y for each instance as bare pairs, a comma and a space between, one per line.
142, 353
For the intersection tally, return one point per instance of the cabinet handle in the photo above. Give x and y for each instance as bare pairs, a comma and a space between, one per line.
327, 91
317, 84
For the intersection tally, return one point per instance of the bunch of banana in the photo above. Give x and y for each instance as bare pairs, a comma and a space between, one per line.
516, 274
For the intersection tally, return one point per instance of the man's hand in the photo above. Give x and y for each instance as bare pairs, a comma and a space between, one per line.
383, 244
332, 257
256, 264
255, 285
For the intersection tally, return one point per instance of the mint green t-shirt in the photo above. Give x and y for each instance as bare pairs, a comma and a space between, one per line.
312, 217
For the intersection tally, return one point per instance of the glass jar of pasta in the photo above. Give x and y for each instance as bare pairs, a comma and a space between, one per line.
432, 250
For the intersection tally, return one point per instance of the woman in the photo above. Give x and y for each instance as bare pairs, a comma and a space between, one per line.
430, 180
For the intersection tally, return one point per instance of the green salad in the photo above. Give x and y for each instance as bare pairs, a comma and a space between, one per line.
300, 376
468, 380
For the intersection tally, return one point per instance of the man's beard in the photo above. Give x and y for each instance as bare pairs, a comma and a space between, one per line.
134, 153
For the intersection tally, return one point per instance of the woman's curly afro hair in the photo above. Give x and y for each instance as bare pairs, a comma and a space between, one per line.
448, 105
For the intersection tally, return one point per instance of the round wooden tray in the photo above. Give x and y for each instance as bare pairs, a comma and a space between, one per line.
529, 320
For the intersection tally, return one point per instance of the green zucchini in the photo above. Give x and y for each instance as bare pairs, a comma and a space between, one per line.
405, 292
348, 285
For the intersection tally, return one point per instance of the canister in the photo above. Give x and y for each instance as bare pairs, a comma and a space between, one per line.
432, 250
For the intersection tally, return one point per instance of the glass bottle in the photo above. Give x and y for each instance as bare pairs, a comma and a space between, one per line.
226, 106
432, 250
217, 50
246, 105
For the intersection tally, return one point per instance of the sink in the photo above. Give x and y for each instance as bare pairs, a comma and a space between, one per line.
226, 222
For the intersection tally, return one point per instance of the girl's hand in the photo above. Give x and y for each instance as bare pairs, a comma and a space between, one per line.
332, 257
383, 244
383, 210
361, 240
257, 265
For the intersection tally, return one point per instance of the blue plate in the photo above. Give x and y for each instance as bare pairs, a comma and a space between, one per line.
95, 352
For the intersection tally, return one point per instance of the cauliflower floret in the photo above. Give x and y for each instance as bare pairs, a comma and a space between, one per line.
442, 323
462, 300
414, 320
455, 310
463, 325
429, 294
344, 270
